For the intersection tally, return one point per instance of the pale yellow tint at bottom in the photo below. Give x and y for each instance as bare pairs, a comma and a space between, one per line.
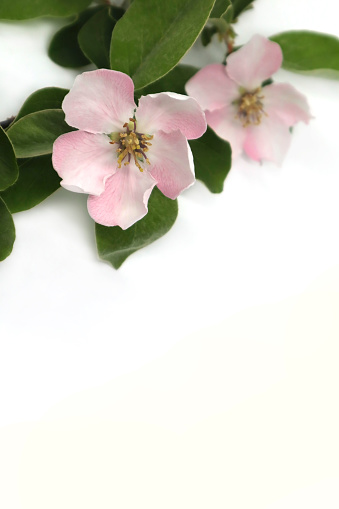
237, 416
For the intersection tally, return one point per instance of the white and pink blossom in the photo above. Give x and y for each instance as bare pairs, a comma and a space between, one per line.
255, 119
121, 151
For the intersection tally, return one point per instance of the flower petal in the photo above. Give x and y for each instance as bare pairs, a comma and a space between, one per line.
84, 161
224, 123
212, 88
268, 141
171, 163
254, 62
100, 101
125, 198
287, 102
169, 112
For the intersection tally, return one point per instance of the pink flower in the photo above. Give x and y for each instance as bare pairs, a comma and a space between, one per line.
121, 151
252, 118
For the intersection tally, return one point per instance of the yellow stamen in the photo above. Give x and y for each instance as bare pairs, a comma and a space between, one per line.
250, 108
131, 144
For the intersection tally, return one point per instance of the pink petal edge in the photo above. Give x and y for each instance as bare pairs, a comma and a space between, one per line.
169, 112
268, 141
124, 201
225, 125
254, 62
212, 88
285, 101
84, 161
171, 163
100, 101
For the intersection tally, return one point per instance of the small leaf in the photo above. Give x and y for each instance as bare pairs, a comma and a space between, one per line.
149, 49
115, 245
207, 34
229, 14
34, 134
220, 7
49, 98
8, 165
174, 81
27, 9
37, 180
240, 5
64, 48
212, 160
7, 231
95, 38
308, 51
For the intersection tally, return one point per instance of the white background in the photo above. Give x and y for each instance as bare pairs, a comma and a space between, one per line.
202, 374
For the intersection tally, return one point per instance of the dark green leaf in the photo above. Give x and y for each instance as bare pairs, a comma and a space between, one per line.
26, 9
7, 231
212, 160
149, 50
221, 25
37, 180
228, 16
220, 7
308, 51
115, 245
64, 48
207, 34
116, 13
7, 122
34, 134
95, 38
239, 6
8, 166
49, 98
174, 81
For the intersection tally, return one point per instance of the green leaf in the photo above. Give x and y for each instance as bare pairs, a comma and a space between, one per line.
212, 160
26, 9
308, 51
174, 81
149, 49
228, 15
115, 245
64, 48
49, 98
220, 7
95, 38
207, 34
240, 5
7, 231
37, 180
34, 134
8, 166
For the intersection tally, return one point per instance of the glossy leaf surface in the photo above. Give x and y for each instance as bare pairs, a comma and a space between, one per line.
34, 134
308, 51
64, 48
8, 165
48, 98
26, 9
212, 160
174, 81
148, 50
115, 245
37, 180
95, 38
7, 231
220, 7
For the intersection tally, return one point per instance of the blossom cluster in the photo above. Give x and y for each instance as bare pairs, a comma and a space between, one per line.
121, 151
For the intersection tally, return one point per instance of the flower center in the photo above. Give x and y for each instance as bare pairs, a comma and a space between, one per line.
131, 145
250, 108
